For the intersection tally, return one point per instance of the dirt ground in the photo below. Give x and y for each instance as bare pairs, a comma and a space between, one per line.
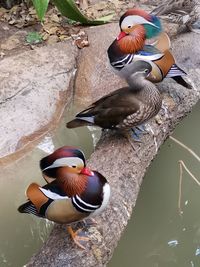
20, 29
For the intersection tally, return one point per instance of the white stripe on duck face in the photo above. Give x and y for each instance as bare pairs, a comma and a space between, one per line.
69, 161
133, 20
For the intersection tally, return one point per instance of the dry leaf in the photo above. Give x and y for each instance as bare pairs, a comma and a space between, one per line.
5, 28
52, 39
81, 43
55, 18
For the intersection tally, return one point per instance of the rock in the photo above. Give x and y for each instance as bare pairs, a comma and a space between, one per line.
35, 86
14, 41
11, 43
95, 77
52, 39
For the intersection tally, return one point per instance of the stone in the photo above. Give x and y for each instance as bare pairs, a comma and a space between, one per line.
34, 88
95, 76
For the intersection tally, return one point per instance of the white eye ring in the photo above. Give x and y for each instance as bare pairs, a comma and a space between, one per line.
146, 70
129, 26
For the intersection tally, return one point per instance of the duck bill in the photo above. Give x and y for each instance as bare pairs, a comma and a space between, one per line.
121, 35
86, 171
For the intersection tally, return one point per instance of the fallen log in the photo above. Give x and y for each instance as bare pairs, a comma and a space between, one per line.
125, 169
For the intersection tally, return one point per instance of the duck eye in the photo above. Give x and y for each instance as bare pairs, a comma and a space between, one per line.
129, 27
73, 166
146, 70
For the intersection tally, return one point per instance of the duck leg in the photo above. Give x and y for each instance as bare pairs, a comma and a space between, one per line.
89, 222
77, 238
137, 131
195, 27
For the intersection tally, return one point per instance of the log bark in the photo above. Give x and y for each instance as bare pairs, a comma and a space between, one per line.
125, 169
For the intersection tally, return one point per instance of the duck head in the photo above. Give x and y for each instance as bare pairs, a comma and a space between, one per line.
136, 26
67, 165
137, 73
138, 68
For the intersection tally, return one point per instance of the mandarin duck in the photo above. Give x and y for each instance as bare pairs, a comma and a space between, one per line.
73, 192
135, 43
126, 107
182, 12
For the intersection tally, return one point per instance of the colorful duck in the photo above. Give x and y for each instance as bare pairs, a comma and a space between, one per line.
73, 191
126, 107
138, 28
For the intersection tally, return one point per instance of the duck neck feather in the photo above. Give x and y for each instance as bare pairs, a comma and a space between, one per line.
146, 89
72, 183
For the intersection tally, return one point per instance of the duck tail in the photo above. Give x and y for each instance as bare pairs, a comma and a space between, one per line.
182, 82
77, 123
81, 121
29, 208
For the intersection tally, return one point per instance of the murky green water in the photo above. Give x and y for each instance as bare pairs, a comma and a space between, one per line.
22, 235
156, 237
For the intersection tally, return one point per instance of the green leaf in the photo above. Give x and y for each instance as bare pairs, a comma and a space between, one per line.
69, 9
33, 38
41, 7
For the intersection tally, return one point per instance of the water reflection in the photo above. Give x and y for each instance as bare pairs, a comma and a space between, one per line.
158, 236
22, 235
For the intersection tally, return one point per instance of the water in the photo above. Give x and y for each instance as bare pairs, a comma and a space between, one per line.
156, 236
22, 235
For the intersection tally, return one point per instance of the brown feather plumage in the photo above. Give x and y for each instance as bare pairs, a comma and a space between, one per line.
111, 111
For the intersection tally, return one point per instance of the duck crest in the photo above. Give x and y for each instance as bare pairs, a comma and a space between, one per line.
135, 12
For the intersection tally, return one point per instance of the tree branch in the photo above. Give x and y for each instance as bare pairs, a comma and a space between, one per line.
125, 169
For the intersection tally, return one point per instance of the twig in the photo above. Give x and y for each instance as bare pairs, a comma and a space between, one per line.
186, 147
189, 172
180, 188
182, 165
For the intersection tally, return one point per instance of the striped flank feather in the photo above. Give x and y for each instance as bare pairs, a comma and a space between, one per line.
83, 206
119, 64
175, 71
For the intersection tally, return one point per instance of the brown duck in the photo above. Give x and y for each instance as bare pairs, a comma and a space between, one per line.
126, 107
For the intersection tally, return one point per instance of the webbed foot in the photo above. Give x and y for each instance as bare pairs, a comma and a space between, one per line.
78, 239
138, 131
195, 27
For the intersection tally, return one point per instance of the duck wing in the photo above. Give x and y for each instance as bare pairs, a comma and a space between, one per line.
121, 62
108, 111
40, 198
